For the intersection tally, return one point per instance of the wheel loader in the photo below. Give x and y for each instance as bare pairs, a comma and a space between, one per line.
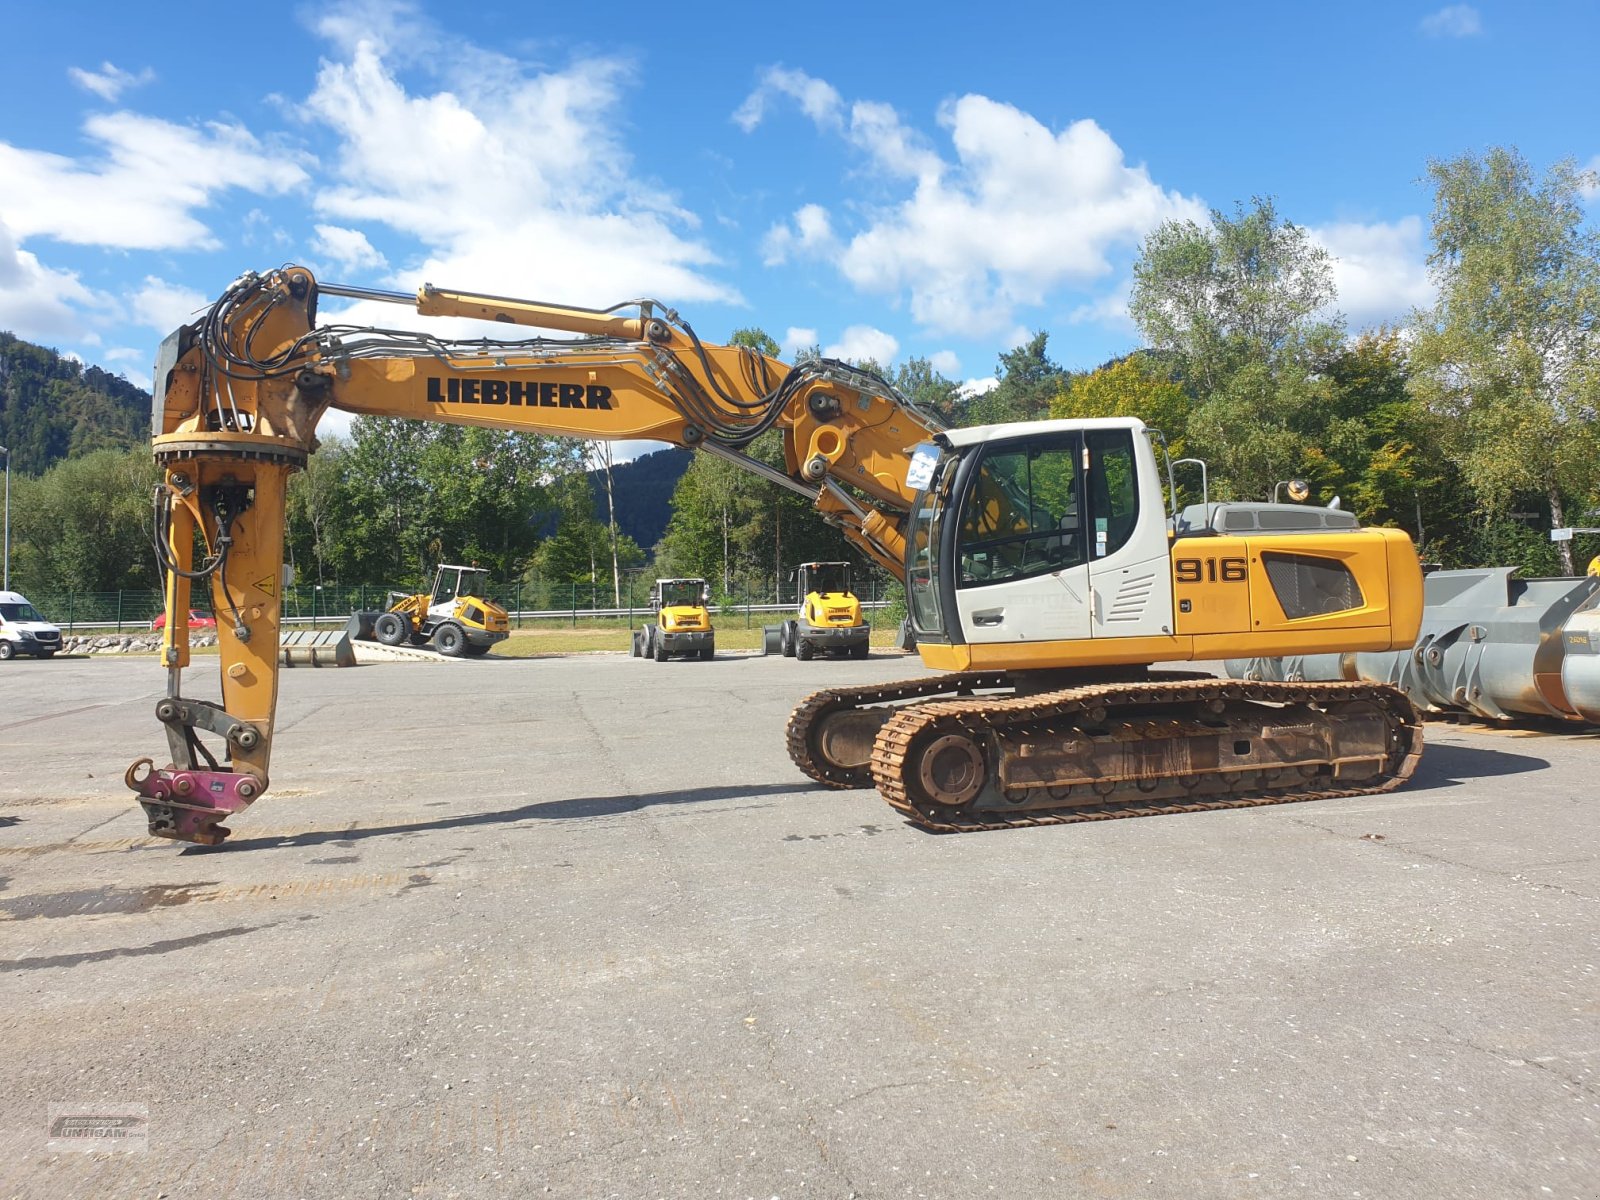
454, 618
682, 628
829, 622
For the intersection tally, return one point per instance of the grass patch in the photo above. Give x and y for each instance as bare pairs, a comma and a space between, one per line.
532, 643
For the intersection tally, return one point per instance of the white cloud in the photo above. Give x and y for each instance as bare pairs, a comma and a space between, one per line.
335, 423
1590, 188
1105, 310
347, 248
1455, 20
109, 81
797, 339
978, 387
389, 25
514, 183
37, 303
1380, 270
818, 100
142, 190
862, 342
164, 306
945, 362
134, 364
811, 233
1016, 212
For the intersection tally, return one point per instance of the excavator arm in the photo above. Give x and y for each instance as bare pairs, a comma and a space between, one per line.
238, 395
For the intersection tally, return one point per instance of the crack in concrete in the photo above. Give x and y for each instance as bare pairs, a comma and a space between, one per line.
1509, 1059
1441, 860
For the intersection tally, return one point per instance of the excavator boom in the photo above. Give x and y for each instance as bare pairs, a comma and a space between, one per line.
239, 393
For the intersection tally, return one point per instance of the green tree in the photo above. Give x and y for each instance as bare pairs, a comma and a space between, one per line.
579, 550
1380, 450
1132, 386
1235, 306
84, 525
419, 493
716, 511
919, 382
317, 510
1028, 382
755, 338
1227, 296
1509, 355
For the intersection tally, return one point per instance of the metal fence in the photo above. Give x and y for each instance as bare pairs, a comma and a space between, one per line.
529, 605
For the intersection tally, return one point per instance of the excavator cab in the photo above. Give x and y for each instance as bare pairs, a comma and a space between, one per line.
1016, 538
1052, 544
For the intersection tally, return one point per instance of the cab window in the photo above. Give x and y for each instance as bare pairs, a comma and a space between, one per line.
1021, 516
1113, 490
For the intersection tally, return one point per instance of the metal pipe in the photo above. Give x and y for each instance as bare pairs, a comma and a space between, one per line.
6, 586
1491, 645
362, 293
761, 468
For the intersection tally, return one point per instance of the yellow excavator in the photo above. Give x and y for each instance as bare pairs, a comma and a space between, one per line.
1048, 567
456, 618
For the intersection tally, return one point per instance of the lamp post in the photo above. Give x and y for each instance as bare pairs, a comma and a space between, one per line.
6, 586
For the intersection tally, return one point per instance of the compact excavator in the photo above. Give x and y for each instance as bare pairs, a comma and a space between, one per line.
1049, 571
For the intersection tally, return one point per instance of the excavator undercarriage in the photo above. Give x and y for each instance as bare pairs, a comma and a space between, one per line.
983, 750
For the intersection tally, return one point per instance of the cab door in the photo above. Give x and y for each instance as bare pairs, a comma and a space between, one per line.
1130, 568
1022, 571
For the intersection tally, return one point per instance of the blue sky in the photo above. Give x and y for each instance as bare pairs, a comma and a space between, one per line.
882, 180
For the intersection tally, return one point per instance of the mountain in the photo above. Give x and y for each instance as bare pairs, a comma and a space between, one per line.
53, 407
643, 490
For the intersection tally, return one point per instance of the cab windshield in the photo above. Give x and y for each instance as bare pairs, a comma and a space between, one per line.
453, 584
682, 593
922, 550
19, 612
823, 578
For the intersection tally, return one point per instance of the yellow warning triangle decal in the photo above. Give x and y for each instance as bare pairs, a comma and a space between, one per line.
268, 585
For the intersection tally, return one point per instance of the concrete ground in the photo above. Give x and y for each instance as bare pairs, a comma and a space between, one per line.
577, 927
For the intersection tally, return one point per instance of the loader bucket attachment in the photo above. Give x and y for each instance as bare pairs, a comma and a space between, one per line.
317, 649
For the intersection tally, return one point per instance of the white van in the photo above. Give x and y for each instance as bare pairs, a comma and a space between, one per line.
23, 630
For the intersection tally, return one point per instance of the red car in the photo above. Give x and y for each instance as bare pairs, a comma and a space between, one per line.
197, 620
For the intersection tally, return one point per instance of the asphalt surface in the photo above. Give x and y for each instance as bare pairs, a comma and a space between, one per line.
577, 927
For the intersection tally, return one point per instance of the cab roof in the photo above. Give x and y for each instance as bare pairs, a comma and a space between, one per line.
972, 435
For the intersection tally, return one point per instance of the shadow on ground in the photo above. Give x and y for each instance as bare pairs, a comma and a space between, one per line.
550, 810
1444, 766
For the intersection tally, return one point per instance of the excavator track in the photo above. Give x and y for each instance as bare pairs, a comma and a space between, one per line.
831, 732
1102, 752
